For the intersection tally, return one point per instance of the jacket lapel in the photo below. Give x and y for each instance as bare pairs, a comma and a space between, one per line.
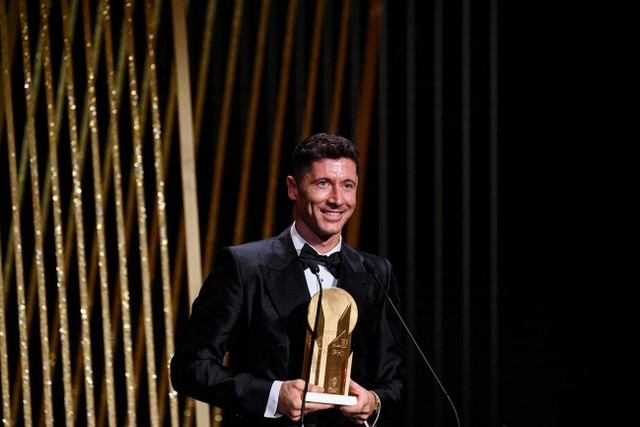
286, 284
354, 278
284, 277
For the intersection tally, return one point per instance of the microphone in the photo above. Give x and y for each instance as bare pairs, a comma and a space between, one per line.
368, 265
313, 266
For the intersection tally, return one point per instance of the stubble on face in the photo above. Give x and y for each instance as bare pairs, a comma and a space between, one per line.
325, 200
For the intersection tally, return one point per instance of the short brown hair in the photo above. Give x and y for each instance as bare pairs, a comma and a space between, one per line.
322, 146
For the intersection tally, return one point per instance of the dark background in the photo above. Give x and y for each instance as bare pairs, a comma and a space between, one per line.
524, 345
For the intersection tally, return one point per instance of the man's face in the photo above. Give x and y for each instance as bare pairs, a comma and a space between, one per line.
325, 199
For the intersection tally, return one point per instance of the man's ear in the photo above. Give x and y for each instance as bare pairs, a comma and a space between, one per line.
292, 188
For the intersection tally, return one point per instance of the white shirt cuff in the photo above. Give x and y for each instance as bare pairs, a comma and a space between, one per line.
272, 404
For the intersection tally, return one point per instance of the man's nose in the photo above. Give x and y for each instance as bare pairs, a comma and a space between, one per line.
336, 196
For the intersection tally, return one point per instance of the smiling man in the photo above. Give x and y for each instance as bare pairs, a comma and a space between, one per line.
253, 307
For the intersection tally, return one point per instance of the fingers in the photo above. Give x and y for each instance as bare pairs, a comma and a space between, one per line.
290, 400
316, 406
357, 413
362, 410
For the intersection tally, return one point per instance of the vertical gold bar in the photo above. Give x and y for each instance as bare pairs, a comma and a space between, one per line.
37, 223
10, 42
61, 284
156, 239
223, 133
17, 235
98, 264
363, 128
120, 221
79, 221
99, 212
281, 108
70, 231
314, 64
25, 146
161, 206
252, 117
340, 67
142, 217
4, 359
31, 300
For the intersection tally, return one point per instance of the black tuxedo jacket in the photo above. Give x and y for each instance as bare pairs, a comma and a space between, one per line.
253, 306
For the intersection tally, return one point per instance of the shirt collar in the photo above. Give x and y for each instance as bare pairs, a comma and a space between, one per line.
299, 242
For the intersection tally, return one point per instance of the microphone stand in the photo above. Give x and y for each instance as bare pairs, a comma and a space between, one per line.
313, 266
368, 265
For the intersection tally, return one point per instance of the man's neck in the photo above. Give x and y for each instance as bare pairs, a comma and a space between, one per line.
321, 246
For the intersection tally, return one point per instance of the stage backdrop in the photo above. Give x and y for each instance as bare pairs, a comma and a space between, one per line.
137, 138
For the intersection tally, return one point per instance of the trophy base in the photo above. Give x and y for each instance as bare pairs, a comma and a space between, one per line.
333, 399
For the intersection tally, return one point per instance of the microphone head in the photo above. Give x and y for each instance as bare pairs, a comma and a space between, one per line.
313, 266
368, 265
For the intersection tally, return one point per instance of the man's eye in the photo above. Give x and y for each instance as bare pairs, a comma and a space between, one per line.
323, 184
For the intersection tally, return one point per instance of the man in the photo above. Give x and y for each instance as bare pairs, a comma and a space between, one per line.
254, 305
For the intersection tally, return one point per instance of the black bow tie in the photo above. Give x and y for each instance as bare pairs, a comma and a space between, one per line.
332, 262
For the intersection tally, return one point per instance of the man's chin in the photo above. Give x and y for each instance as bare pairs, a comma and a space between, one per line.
330, 230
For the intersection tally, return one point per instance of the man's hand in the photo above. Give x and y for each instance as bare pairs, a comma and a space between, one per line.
362, 410
290, 400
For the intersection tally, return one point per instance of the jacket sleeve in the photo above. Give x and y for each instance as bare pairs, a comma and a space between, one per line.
198, 367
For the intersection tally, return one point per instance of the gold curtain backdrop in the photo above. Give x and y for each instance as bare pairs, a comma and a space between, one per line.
105, 107
138, 137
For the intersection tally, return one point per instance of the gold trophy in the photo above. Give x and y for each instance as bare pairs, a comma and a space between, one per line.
330, 366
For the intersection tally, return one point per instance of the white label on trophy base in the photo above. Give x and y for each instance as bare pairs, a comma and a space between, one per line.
333, 399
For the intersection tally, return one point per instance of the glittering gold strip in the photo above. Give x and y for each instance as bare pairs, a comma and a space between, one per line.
22, 170
45, 196
116, 306
10, 42
167, 136
99, 212
11, 31
37, 224
142, 217
252, 117
98, 262
218, 169
24, 155
177, 284
70, 236
79, 221
161, 202
340, 67
314, 64
363, 130
281, 103
13, 175
61, 284
71, 397
24, 152
4, 360
154, 245
130, 205
120, 221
